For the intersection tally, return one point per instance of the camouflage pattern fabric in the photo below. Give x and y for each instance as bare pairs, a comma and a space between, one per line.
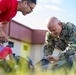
5, 66
66, 41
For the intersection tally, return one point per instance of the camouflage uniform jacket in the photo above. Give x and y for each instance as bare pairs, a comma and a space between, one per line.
66, 41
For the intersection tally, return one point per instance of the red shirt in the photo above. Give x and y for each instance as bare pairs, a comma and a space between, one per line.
4, 52
8, 9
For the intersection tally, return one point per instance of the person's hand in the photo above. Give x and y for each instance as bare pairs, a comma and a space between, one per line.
3, 36
55, 58
52, 58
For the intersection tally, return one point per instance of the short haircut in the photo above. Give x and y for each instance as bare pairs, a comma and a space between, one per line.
33, 1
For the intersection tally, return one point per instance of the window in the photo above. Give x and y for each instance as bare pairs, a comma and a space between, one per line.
25, 47
10, 43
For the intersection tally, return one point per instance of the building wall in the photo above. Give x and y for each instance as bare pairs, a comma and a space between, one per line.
56, 52
23, 33
38, 36
36, 53
20, 32
18, 48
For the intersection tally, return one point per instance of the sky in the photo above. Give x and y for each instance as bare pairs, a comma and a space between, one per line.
64, 10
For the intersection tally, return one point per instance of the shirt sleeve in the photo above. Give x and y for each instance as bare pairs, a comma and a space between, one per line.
5, 5
49, 44
71, 49
10, 51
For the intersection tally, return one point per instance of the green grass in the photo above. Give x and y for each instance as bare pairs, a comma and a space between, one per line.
23, 70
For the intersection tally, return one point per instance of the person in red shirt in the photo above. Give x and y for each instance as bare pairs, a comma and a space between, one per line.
4, 63
9, 8
4, 52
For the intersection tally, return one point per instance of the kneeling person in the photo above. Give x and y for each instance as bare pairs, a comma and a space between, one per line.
6, 64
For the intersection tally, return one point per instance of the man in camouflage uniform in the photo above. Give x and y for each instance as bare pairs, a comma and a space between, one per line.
60, 35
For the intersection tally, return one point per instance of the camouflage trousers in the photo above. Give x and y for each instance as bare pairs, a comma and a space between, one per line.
4, 65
